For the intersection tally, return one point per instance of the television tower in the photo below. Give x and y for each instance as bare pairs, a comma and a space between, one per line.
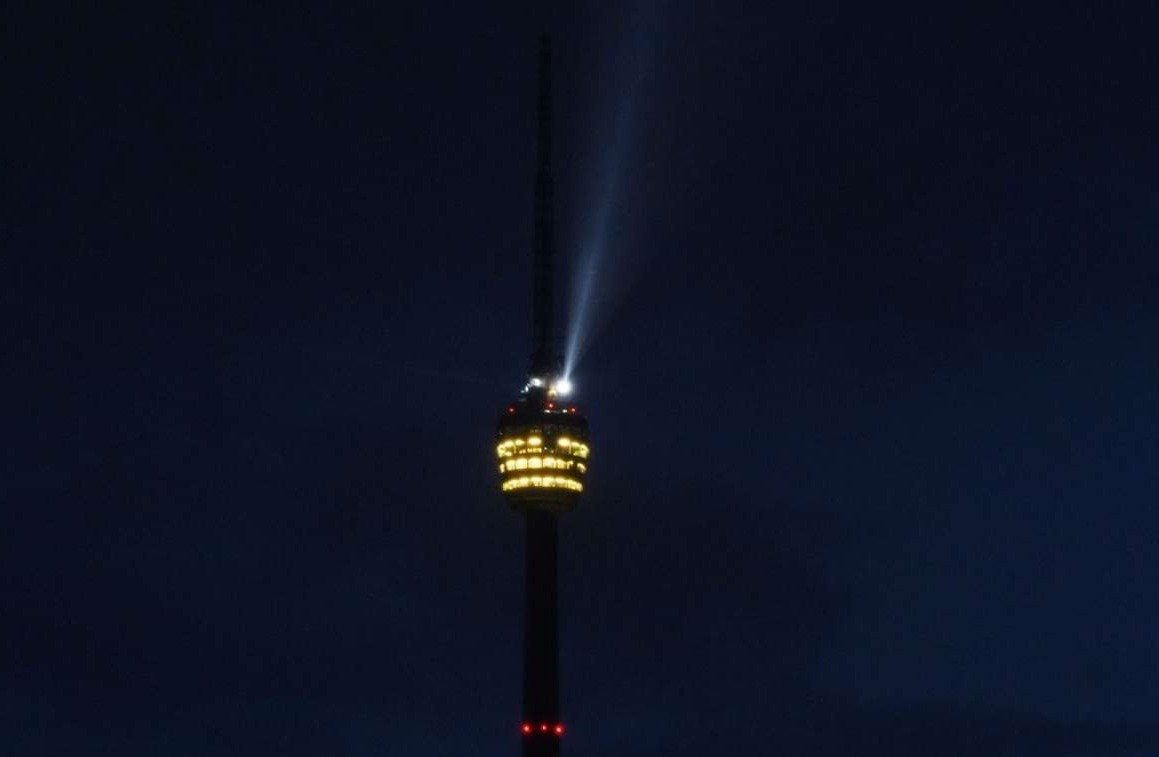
543, 455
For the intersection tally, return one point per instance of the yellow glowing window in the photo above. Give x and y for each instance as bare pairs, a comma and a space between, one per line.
534, 441
582, 468
534, 462
564, 442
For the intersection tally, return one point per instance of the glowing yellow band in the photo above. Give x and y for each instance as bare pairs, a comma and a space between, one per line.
543, 482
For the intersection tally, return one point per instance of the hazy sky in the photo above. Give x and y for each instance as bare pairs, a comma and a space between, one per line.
871, 379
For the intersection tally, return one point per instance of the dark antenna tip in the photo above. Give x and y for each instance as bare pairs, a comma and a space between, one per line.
544, 110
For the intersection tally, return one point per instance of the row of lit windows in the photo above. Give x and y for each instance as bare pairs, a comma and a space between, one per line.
522, 451
579, 449
543, 482
523, 463
519, 445
532, 444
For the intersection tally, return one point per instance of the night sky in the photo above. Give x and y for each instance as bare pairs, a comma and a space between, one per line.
870, 370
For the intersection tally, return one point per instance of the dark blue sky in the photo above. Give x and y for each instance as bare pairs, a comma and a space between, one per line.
872, 379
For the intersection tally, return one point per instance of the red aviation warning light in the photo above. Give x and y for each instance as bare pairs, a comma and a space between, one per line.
556, 729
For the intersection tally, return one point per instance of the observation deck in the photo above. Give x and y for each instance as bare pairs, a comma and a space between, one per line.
542, 451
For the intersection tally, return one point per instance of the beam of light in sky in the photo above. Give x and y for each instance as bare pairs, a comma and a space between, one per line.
590, 275
583, 293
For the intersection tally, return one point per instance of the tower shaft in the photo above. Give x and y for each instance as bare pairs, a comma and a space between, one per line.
541, 650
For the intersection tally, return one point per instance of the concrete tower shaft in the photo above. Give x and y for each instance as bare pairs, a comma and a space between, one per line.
541, 637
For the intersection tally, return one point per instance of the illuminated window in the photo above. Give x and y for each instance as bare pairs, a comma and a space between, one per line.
534, 462
534, 441
564, 442
582, 468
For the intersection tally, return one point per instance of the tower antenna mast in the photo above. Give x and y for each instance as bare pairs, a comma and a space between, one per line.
543, 358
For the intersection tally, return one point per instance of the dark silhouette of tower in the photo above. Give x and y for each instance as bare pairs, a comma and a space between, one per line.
543, 453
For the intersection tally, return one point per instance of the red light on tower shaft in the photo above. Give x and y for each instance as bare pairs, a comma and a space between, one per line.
543, 727
559, 729
526, 728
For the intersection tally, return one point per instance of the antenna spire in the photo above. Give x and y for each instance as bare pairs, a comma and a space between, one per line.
543, 359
